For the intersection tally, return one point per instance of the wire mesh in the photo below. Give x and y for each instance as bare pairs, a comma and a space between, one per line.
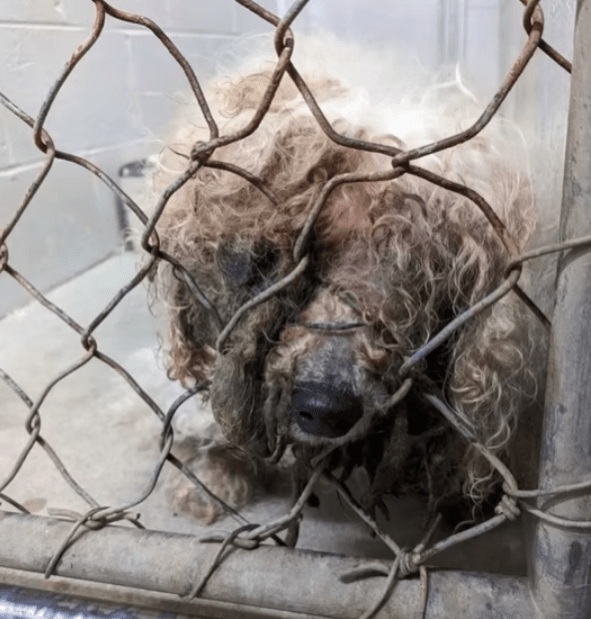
250, 536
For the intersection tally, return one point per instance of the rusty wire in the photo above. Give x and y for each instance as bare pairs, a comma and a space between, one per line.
250, 536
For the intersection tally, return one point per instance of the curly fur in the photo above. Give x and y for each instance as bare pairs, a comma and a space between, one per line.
400, 257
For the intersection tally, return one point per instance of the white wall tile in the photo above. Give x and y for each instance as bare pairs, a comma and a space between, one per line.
203, 16
66, 228
94, 107
248, 22
32, 11
156, 10
76, 12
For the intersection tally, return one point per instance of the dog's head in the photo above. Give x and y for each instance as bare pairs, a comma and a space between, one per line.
385, 266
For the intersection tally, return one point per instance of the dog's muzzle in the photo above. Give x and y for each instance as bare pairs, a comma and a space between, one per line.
321, 409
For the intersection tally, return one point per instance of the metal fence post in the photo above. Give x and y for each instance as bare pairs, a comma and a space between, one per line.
561, 557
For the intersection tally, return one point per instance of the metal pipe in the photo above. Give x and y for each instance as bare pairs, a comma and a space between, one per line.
266, 579
19, 602
560, 561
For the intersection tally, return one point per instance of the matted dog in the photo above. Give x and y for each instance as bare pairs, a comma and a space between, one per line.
390, 263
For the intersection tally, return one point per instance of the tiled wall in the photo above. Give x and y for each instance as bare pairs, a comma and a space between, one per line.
118, 103
113, 109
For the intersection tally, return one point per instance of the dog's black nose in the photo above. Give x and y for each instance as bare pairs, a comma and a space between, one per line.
321, 409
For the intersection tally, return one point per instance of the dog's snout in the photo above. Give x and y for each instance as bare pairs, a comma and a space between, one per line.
321, 409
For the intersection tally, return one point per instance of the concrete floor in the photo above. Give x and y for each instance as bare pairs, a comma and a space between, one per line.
107, 437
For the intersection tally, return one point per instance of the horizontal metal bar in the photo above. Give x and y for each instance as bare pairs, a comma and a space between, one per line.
19, 602
165, 605
269, 578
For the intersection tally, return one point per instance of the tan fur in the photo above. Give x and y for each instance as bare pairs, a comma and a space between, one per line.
400, 257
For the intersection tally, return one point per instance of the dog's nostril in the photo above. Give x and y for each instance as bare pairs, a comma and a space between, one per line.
321, 409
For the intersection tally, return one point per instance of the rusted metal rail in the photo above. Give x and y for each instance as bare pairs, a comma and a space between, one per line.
285, 580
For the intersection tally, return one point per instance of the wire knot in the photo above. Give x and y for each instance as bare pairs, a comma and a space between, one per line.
507, 506
200, 152
234, 538
409, 563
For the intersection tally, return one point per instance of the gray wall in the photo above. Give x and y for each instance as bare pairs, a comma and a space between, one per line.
117, 104
110, 110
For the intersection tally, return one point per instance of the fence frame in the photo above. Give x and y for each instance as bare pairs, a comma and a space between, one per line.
172, 563
559, 561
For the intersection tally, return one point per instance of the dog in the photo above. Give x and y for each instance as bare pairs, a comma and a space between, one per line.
313, 371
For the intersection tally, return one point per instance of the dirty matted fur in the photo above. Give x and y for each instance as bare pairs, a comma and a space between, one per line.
390, 264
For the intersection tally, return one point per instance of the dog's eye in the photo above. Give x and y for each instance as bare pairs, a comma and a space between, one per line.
235, 268
249, 269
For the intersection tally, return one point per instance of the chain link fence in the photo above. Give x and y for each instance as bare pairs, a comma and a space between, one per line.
96, 520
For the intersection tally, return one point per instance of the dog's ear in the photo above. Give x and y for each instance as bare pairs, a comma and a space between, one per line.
492, 380
235, 394
191, 353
